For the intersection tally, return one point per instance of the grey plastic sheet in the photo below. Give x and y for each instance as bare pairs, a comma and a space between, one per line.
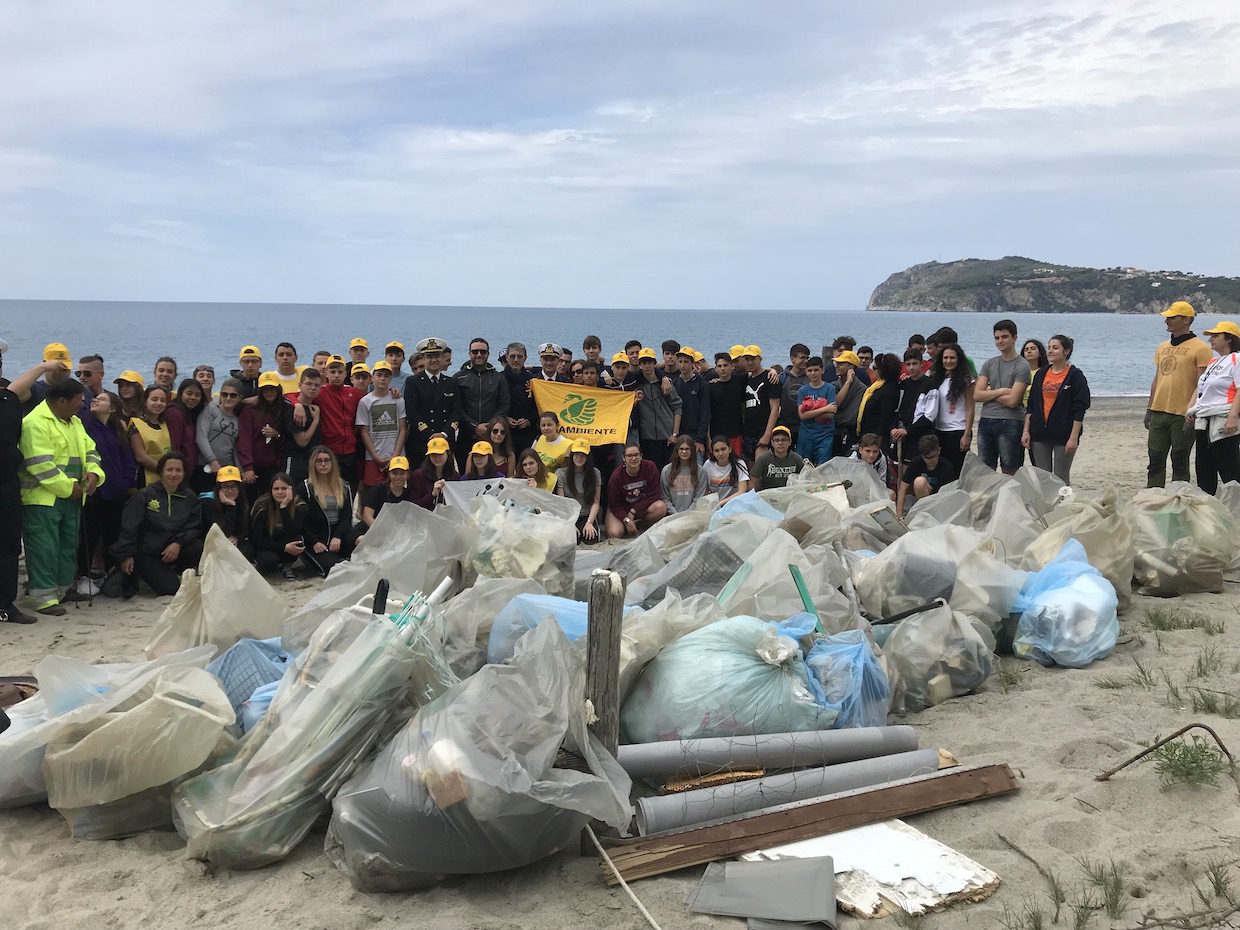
782, 894
672, 811
679, 758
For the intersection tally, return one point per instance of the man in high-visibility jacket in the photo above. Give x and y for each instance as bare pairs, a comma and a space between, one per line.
60, 467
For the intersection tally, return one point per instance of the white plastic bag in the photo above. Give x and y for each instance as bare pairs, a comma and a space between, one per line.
1099, 526
223, 601
468, 617
527, 537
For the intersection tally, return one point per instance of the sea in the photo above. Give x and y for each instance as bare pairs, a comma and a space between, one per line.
1114, 351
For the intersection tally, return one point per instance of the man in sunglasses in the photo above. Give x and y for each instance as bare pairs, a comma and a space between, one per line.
484, 396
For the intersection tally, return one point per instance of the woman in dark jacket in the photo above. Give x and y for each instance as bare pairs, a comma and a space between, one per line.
328, 529
880, 403
1058, 399
260, 447
276, 525
161, 530
229, 510
101, 514
426, 483
182, 419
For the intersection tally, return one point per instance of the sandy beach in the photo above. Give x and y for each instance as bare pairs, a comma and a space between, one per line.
1055, 727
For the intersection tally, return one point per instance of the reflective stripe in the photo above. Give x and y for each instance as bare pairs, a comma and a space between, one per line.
74, 460
38, 460
45, 475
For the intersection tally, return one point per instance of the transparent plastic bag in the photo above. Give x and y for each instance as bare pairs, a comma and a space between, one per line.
646, 632
469, 616
525, 612
1229, 496
470, 784
763, 586
1068, 612
1184, 538
517, 540
936, 655
248, 665
847, 668
678, 530
96, 765
330, 710
223, 601
731, 678
749, 503
706, 565
1099, 526
863, 484
69, 690
913, 570
986, 586
413, 548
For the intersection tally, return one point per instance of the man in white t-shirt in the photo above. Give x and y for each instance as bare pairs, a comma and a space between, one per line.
381, 425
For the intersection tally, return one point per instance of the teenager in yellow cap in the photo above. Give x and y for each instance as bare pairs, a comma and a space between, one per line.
438, 467
761, 403
359, 352
394, 489
579, 480
1179, 363
249, 367
260, 445
230, 510
129, 388
57, 369
480, 463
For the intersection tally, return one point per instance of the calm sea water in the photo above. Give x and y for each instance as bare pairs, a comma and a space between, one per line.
1115, 352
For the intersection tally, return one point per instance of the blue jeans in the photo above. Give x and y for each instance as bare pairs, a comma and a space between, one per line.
815, 448
998, 443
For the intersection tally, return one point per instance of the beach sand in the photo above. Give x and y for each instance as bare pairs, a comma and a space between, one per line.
1053, 726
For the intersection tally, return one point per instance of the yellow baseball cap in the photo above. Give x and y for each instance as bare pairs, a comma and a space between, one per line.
1180, 308
437, 444
698, 356
580, 445
359, 343
56, 352
361, 368
335, 361
380, 366
1226, 326
269, 379
688, 352
394, 345
250, 352
228, 473
131, 376
737, 351
481, 448
849, 356
647, 353
619, 359
782, 429
398, 462
755, 351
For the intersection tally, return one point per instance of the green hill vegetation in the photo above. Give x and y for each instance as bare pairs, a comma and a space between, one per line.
1016, 284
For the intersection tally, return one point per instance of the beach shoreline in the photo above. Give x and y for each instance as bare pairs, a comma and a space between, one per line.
1055, 727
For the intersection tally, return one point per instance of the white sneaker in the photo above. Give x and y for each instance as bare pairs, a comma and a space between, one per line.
87, 587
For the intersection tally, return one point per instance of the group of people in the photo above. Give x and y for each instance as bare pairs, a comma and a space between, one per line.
294, 461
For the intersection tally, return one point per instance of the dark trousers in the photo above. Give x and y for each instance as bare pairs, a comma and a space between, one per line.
524, 438
1167, 434
164, 578
656, 450
10, 540
101, 526
268, 562
949, 446
1217, 462
323, 562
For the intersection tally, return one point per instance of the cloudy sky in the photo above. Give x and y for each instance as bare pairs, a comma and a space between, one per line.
694, 153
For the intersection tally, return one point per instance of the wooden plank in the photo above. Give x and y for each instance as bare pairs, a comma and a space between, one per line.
603, 655
678, 849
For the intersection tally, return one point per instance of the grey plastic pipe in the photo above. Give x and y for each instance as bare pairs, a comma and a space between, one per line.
672, 811
678, 758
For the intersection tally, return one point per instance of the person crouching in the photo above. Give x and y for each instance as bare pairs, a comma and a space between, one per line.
161, 530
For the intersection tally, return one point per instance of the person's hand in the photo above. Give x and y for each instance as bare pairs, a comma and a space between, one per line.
898, 433
319, 548
126, 565
438, 487
531, 482
630, 525
772, 376
1231, 424
1149, 416
1071, 444
296, 547
233, 540
589, 531
77, 491
53, 365
395, 392
701, 448
248, 476
92, 482
1190, 425
170, 553
1024, 439
667, 385
966, 440
480, 431
270, 432
314, 411
299, 416
213, 467
333, 545
671, 440
523, 423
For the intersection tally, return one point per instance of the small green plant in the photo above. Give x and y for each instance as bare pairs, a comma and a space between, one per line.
1142, 676
1083, 909
1174, 697
1158, 643
1218, 873
1166, 620
1207, 663
1007, 678
1194, 763
1113, 682
1111, 883
1206, 701
1055, 891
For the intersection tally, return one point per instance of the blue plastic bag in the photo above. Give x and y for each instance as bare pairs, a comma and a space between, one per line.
247, 665
733, 677
255, 708
1067, 612
749, 502
526, 611
849, 677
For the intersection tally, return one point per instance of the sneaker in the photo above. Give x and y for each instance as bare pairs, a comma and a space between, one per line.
288, 574
11, 614
73, 596
51, 609
88, 587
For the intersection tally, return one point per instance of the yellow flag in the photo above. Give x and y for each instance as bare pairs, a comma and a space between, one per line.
598, 415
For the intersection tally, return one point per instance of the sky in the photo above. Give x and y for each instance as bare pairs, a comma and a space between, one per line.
692, 154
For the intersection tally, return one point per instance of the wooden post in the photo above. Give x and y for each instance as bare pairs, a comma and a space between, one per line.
603, 668
603, 655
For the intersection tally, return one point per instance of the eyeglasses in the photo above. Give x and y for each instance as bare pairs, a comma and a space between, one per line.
499, 432
479, 351
229, 394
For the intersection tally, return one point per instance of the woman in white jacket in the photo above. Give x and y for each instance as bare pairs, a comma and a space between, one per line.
1215, 413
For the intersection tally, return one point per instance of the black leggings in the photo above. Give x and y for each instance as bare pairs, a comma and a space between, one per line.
101, 526
1217, 462
268, 562
323, 562
164, 578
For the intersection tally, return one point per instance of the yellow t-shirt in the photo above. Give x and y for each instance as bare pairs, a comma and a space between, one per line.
1177, 372
554, 453
154, 441
292, 383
